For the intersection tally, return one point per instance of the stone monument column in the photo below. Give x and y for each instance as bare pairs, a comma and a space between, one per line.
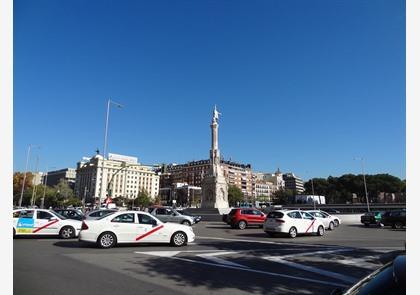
214, 186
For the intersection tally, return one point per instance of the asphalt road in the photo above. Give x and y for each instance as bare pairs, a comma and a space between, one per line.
221, 260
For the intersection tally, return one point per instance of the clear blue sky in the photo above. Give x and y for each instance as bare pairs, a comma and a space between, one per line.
305, 86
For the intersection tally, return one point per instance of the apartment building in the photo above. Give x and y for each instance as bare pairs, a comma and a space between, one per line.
123, 176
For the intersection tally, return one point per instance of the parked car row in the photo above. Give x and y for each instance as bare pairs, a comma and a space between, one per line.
283, 221
106, 231
394, 218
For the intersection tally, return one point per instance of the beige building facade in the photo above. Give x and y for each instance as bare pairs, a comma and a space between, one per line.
123, 177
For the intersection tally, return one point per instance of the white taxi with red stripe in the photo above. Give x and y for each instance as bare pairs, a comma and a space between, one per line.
293, 223
44, 222
134, 227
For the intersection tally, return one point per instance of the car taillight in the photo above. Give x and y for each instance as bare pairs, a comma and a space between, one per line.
278, 220
84, 226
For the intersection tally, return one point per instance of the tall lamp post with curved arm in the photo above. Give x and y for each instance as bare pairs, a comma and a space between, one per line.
364, 181
26, 171
45, 186
124, 165
109, 103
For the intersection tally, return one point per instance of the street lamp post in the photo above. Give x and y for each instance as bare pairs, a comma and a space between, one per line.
313, 193
45, 186
105, 145
364, 181
26, 171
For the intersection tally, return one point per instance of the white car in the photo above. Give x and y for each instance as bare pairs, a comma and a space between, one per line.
329, 221
327, 217
292, 222
44, 222
134, 227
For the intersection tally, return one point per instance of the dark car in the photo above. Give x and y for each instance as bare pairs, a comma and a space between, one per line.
243, 217
387, 280
197, 218
396, 219
70, 213
373, 217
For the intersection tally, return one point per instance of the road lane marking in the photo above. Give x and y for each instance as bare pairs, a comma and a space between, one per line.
267, 242
172, 253
262, 272
212, 257
313, 253
282, 260
316, 270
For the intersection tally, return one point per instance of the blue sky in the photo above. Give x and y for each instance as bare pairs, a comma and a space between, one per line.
304, 86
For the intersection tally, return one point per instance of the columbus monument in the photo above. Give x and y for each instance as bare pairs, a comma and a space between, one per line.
214, 186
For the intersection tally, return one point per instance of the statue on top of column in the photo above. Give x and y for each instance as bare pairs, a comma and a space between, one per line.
216, 115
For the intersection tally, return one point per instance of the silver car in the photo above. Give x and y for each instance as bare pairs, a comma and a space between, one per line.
168, 214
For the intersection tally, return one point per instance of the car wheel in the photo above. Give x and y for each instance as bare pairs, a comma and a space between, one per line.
107, 240
336, 223
320, 231
186, 222
179, 239
398, 225
331, 227
293, 232
67, 232
242, 224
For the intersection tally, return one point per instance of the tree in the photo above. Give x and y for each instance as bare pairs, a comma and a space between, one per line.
143, 199
18, 181
75, 202
340, 189
157, 201
63, 189
282, 197
121, 201
235, 195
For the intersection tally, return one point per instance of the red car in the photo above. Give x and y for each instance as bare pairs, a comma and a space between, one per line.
243, 217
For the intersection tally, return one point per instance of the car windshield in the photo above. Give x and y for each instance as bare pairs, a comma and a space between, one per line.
58, 215
106, 213
275, 214
183, 213
233, 211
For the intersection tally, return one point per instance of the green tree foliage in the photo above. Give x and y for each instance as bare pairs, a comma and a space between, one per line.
157, 201
282, 197
17, 183
235, 195
121, 201
63, 189
143, 199
341, 189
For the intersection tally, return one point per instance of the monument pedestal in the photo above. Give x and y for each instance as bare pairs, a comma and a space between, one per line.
214, 192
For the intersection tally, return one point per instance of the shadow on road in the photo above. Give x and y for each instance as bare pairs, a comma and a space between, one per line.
374, 226
192, 271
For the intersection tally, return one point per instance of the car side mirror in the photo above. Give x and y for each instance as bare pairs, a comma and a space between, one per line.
173, 214
154, 222
52, 218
